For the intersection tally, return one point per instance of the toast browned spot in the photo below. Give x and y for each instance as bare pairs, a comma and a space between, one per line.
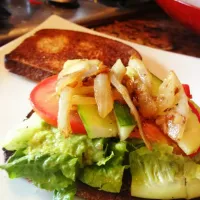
44, 53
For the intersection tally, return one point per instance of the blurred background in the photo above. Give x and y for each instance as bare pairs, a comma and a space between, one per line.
168, 25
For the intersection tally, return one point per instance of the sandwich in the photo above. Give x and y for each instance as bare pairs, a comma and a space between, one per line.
108, 131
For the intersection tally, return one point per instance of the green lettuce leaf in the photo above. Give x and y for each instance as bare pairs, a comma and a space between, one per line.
107, 178
47, 172
119, 149
134, 144
160, 174
105, 160
108, 175
39, 138
65, 194
50, 160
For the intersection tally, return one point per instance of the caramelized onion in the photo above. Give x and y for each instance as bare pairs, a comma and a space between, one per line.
103, 94
65, 103
119, 70
173, 107
124, 92
80, 100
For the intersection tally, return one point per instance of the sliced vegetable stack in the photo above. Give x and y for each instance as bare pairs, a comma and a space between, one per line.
93, 123
132, 89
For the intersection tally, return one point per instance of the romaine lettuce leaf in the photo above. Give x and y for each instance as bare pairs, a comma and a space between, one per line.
108, 175
47, 172
65, 194
107, 178
52, 161
134, 144
105, 160
160, 174
119, 149
39, 138
157, 173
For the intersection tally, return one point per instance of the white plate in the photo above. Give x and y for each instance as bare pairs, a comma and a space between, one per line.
14, 94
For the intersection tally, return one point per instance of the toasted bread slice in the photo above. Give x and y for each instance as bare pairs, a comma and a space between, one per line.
44, 53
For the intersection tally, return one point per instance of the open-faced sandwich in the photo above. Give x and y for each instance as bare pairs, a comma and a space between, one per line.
109, 132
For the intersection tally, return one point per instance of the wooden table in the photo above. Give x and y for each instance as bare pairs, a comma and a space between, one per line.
155, 29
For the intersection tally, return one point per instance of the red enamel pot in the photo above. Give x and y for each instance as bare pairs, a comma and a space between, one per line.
186, 13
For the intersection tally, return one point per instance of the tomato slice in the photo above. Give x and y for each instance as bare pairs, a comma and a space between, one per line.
194, 110
76, 123
186, 88
45, 103
154, 134
189, 95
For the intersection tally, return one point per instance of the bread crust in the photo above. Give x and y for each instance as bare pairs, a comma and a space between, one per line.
27, 71
44, 53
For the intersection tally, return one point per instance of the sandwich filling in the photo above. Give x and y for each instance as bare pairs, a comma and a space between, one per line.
93, 123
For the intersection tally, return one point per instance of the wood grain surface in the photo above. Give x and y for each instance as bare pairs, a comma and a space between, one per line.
155, 29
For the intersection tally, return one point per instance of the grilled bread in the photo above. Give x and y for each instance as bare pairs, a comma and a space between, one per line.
44, 53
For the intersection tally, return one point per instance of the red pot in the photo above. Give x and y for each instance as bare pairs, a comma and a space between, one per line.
35, 2
185, 13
